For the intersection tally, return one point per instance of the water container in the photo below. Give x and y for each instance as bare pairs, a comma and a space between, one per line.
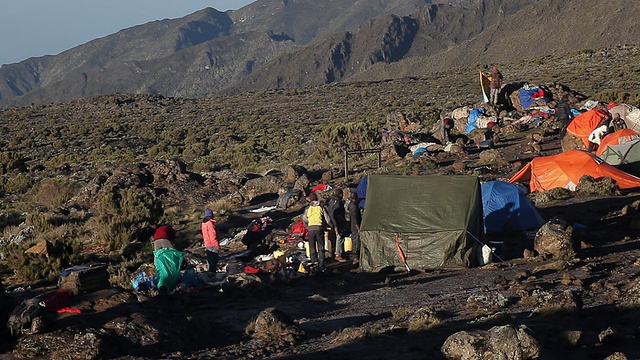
348, 244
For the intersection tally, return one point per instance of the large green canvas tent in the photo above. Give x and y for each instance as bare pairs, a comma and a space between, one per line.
438, 219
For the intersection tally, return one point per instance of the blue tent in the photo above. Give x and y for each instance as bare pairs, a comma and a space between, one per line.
504, 203
361, 190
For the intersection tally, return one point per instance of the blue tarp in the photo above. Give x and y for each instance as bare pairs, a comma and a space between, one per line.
527, 97
506, 205
361, 190
472, 119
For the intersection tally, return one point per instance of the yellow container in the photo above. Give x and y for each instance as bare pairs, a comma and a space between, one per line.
281, 256
327, 242
348, 244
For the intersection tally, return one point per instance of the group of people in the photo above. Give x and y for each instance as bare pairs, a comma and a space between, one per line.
334, 218
336, 222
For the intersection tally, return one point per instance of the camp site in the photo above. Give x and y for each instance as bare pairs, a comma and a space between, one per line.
386, 218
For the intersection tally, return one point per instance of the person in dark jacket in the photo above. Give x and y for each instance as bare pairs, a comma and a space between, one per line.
445, 130
563, 114
355, 216
496, 83
338, 222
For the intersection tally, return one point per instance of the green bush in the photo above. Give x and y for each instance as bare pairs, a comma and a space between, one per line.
352, 135
121, 215
52, 193
19, 184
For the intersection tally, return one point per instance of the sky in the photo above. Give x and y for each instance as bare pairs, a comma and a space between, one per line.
48, 27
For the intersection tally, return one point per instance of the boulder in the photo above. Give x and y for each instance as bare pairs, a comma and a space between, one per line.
491, 157
274, 326
570, 142
566, 301
499, 342
302, 183
260, 186
293, 172
572, 338
555, 238
588, 185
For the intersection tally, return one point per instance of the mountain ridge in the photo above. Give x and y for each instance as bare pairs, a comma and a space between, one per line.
278, 44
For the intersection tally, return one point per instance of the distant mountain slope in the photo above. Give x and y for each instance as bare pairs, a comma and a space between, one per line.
385, 40
196, 55
292, 43
548, 27
153, 40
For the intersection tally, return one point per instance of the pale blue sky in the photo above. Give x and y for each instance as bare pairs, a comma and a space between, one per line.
47, 27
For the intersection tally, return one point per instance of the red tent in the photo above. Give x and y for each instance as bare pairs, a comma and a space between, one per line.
566, 169
615, 138
582, 125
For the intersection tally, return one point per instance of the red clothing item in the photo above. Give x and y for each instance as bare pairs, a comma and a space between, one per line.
209, 234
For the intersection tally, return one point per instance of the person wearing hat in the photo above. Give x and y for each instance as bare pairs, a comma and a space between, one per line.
313, 217
210, 236
163, 237
496, 83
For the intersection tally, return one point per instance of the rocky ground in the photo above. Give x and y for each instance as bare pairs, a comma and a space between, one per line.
519, 308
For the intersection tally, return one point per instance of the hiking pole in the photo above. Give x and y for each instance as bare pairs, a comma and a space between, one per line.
402, 255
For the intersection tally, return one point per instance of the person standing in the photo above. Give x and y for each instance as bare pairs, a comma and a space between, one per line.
563, 114
495, 85
338, 221
355, 217
313, 217
210, 236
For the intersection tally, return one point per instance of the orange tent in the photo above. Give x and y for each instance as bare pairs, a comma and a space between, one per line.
582, 125
566, 169
615, 138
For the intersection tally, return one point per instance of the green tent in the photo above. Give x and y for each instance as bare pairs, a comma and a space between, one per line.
438, 219
624, 156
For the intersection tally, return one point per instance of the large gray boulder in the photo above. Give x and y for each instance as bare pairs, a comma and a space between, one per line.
555, 238
259, 186
498, 343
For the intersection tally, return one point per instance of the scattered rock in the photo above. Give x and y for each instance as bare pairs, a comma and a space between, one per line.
500, 342
608, 336
274, 326
572, 338
616, 356
555, 238
588, 185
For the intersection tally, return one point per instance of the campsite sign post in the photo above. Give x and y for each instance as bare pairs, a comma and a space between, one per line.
348, 152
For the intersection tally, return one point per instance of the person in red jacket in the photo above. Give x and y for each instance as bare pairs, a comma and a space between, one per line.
210, 236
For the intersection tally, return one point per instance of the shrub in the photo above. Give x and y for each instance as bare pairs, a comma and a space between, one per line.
122, 215
353, 135
52, 193
20, 184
